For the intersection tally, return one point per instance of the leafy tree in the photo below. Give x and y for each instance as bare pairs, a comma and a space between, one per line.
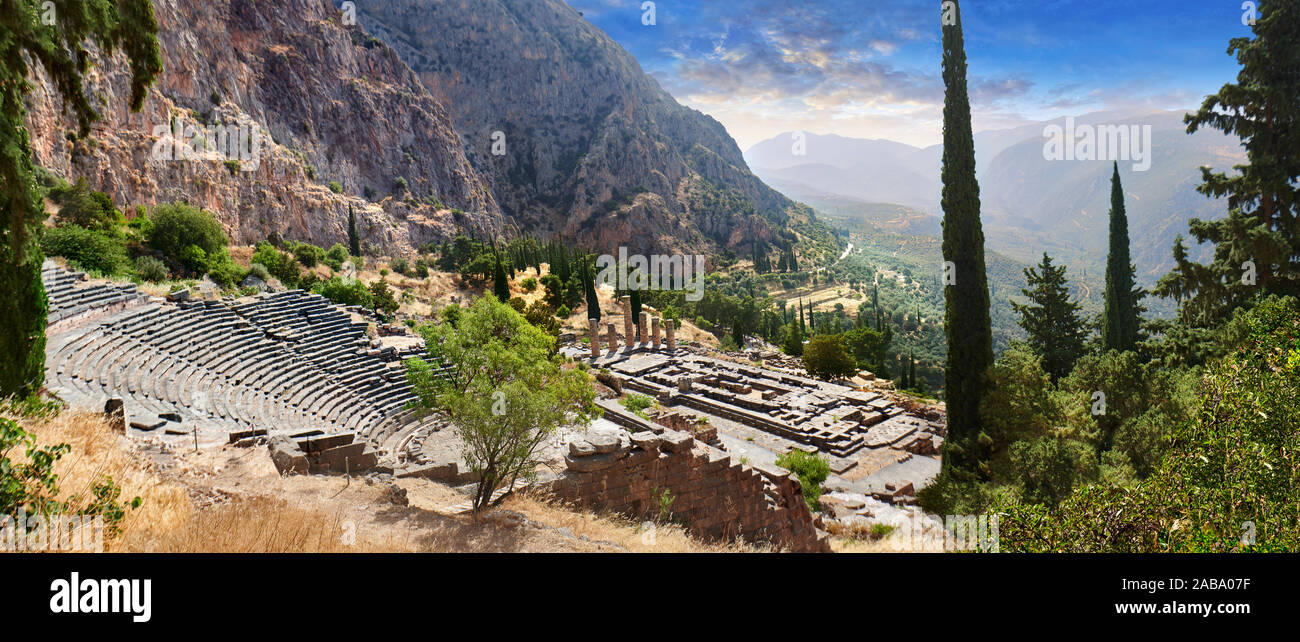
869, 346
542, 316
125, 25
554, 291
793, 340
826, 357
508, 393
1229, 480
1056, 332
1050, 466
966, 315
1119, 319
381, 299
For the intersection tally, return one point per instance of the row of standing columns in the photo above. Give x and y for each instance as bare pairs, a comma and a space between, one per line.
646, 333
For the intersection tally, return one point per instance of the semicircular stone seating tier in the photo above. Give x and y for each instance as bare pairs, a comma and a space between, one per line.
289, 361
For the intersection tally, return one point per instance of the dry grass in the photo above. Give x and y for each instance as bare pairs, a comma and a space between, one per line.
616, 529
97, 452
257, 525
315, 514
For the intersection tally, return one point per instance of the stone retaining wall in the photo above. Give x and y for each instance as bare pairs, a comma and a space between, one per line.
714, 496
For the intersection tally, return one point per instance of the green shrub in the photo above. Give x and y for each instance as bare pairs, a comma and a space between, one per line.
89, 209
345, 292
336, 187
282, 266
637, 403
224, 271
151, 269
337, 252
400, 265
177, 226
259, 271
307, 254
87, 249
529, 284
194, 258
810, 469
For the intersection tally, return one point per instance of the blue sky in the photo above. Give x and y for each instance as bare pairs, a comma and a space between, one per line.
871, 68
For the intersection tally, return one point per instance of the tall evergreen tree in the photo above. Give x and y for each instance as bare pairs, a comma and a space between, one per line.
61, 50
966, 316
636, 311
354, 240
1257, 246
500, 283
1119, 318
593, 301
1056, 332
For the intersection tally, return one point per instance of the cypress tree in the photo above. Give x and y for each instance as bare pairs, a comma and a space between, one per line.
1119, 320
1056, 333
127, 26
636, 311
911, 372
966, 315
793, 340
593, 302
354, 240
500, 284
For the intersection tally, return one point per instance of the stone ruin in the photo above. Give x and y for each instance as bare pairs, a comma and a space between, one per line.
291, 362
667, 474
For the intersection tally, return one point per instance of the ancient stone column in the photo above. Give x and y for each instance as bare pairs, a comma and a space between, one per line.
654, 333
643, 328
670, 329
613, 337
595, 337
627, 320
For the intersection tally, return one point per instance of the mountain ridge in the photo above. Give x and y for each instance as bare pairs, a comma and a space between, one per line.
1030, 205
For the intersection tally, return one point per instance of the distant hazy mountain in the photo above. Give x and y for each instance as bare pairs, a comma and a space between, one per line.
1030, 205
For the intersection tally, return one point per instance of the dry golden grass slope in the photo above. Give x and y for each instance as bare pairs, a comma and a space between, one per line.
233, 500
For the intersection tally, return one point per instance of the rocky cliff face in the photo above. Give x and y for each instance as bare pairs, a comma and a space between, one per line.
328, 103
587, 145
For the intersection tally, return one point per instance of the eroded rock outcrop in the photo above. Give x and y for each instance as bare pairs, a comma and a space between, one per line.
329, 103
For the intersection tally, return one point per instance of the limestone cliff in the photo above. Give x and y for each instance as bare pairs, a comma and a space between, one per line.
589, 146
329, 102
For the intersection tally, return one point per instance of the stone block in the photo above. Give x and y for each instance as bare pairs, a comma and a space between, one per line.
447, 471
677, 442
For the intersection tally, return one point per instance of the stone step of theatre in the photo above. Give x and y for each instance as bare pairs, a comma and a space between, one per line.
288, 362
